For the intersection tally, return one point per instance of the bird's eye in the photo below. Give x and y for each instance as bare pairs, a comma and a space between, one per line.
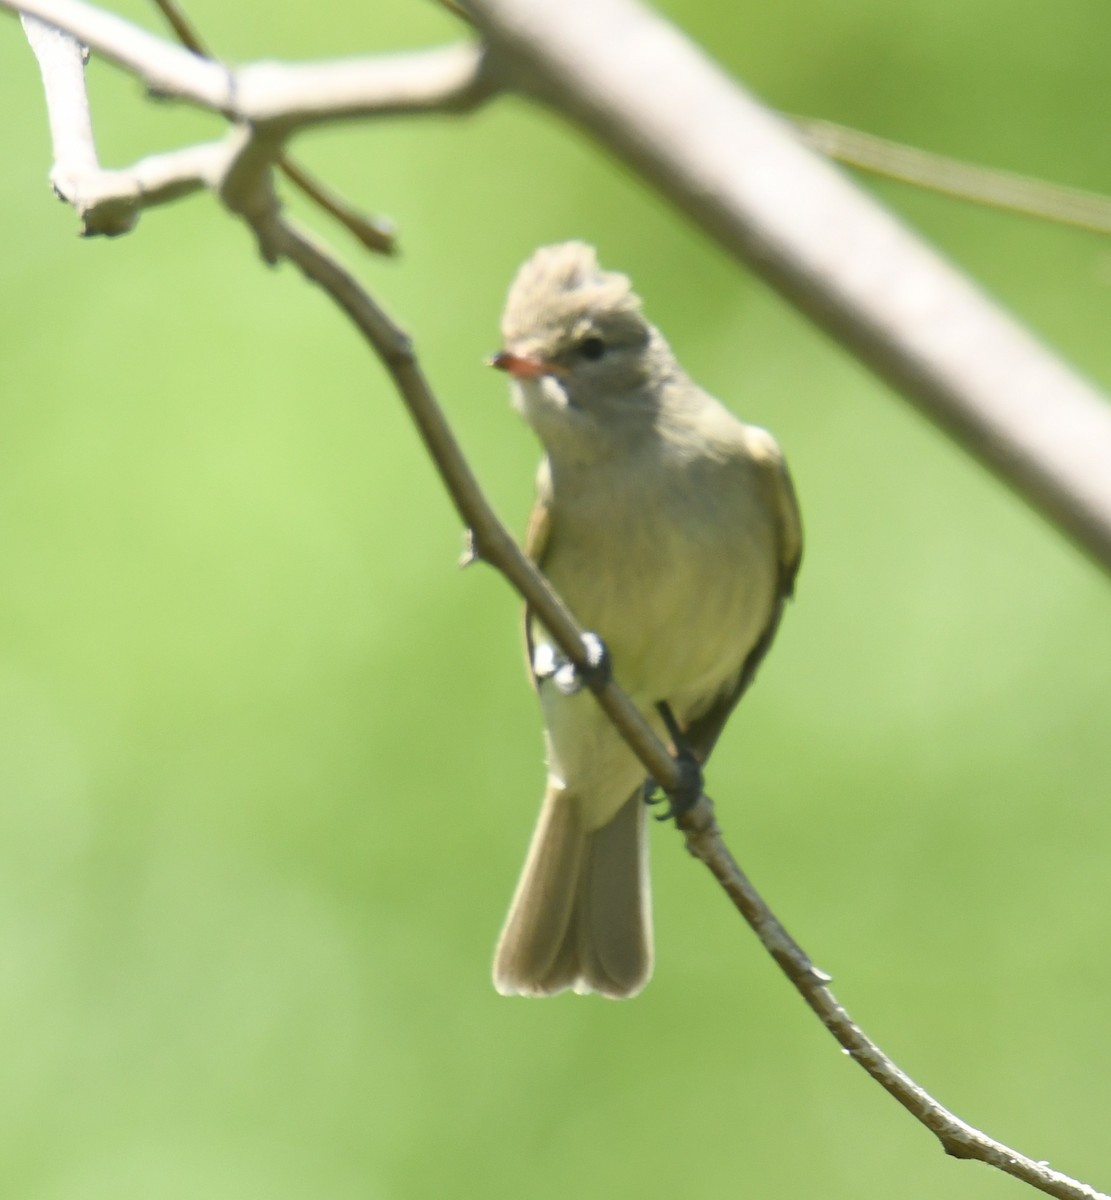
592, 348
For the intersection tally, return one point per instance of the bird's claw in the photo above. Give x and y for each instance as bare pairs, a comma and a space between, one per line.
682, 798
598, 671
569, 678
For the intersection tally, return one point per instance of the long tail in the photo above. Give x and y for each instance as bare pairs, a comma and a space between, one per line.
581, 916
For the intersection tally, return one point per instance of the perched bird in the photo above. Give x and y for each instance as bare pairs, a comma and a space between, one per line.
671, 530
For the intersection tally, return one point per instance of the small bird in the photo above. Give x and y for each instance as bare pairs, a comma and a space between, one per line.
671, 530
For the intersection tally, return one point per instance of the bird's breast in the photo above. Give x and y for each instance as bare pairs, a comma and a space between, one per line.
677, 576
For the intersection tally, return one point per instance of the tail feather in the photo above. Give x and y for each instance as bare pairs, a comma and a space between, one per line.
581, 915
612, 911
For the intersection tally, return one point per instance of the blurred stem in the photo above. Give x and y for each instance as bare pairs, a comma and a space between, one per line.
963, 180
457, 10
186, 33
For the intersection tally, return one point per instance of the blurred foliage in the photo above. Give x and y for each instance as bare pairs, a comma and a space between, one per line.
268, 762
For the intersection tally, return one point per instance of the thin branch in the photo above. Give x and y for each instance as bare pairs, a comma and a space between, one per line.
377, 234
957, 1137
184, 30
457, 10
153, 180
450, 79
248, 192
742, 175
454, 78
963, 180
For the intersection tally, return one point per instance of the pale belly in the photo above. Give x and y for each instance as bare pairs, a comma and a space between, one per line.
679, 617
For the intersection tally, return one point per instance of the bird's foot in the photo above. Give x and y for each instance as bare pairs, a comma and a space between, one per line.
682, 798
568, 678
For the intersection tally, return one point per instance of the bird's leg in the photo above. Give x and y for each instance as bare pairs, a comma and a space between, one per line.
684, 797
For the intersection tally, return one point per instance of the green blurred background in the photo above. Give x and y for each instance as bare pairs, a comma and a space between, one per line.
268, 761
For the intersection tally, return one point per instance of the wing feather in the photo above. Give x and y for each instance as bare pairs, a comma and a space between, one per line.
779, 492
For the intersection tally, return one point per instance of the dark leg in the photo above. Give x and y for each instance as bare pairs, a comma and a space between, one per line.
687, 794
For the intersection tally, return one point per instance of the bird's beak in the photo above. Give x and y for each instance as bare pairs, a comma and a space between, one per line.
523, 368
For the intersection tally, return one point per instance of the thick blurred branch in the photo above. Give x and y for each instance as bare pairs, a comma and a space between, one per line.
740, 173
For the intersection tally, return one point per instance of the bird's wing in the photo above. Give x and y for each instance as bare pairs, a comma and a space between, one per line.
779, 495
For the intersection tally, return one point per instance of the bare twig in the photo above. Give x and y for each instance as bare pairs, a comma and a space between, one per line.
451, 79
457, 10
957, 1137
963, 180
61, 61
375, 233
108, 202
184, 29
744, 177
76, 175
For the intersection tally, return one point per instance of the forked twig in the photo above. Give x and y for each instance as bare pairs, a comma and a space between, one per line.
375, 233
